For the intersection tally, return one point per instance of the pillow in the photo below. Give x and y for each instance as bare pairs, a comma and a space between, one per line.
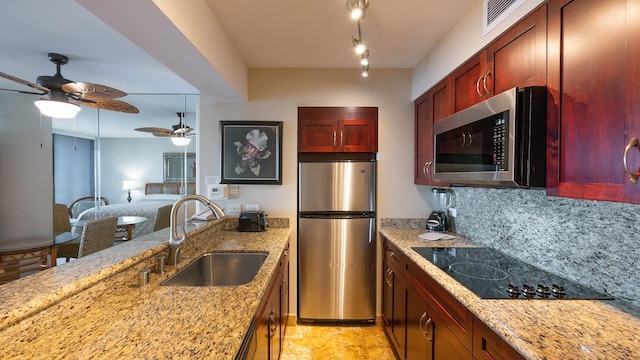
159, 197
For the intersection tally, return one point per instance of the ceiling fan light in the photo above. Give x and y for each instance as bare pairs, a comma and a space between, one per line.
57, 109
180, 140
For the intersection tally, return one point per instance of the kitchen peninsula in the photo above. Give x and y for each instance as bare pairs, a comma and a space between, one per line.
536, 329
94, 308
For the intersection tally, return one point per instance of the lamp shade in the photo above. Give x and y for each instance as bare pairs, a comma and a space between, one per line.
180, 141
57, 109
128, 185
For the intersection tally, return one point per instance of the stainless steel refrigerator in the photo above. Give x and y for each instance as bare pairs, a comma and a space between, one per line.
336, 241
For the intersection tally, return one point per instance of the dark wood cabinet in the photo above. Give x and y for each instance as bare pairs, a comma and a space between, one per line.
419, 326
273, 314
487, 345
337, 129
446, 324
471, 83
516, 58
284, 293
393, 301
594, 99
433, 106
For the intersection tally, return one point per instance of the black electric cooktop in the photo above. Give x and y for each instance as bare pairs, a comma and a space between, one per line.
491, 274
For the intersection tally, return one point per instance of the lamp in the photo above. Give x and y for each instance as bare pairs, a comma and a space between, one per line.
57, 109
128, 185
180, 140
356, 7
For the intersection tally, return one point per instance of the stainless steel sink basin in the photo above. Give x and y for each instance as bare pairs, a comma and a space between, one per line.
219, 269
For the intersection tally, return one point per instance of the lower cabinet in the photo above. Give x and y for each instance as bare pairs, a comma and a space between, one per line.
273, 314
422, 320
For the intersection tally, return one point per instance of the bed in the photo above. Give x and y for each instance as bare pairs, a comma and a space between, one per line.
156, 195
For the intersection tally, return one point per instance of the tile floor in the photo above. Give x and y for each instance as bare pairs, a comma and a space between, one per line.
304, 342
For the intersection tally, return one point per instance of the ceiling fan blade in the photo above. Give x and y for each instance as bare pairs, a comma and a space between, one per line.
25, 82
23, 92
110, 104
93, 92
156, 131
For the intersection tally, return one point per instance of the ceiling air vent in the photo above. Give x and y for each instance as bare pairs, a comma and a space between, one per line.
495, 11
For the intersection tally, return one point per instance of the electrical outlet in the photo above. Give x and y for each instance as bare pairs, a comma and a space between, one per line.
234, 208
253, 207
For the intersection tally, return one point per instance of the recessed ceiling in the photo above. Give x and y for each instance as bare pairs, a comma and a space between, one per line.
271, 34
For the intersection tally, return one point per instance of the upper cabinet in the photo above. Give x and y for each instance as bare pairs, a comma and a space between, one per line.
337, 129
516, 59
594, 103
433, 106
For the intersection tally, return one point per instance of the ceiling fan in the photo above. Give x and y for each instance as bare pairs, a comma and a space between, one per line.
62, 92
178, 130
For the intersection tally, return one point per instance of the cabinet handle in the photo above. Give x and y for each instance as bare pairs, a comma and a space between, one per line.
632, 177
341, 137
386, 278
334, 138
480, 93
426, 170
273, 324
427, 325
391, 253
484, 82
285, 287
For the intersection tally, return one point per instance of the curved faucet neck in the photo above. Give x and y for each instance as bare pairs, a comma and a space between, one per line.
175, 240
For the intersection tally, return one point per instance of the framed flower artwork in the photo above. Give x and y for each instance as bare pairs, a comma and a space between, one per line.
251, 152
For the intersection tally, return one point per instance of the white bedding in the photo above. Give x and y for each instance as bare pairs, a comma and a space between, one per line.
145, 207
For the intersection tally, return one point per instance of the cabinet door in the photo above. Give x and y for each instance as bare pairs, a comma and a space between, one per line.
419, 327
518, 58
393, 307
469, 83
284, 294
358, 135
487, 345
318, 135
433, 106
594, 105
262, 335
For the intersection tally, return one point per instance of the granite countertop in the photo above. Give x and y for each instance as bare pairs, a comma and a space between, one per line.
538, 329
94, 308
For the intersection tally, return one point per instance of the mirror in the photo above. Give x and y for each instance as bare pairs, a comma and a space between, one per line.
174, 167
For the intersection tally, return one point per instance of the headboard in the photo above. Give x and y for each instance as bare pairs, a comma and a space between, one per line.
168, 188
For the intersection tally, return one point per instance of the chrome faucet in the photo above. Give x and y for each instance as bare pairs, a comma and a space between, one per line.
175, 241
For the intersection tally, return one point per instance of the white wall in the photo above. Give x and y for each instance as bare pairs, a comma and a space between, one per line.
462, 41
138, 159
26, 168
275, 94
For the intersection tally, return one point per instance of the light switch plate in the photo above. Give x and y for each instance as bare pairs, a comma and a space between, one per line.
234, 208
252, 207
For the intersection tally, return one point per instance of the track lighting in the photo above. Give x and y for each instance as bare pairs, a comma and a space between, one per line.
358, 44
365, 70
365, 58
357, 7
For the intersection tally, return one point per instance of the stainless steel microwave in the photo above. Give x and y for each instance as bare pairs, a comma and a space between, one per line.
499, 142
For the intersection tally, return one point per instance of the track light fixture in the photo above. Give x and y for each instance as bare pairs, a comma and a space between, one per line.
356, 8
360, 48
365, 58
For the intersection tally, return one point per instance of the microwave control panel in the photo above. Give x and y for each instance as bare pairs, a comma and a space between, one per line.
499, 142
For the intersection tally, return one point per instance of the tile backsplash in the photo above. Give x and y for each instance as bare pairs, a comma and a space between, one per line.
595, 243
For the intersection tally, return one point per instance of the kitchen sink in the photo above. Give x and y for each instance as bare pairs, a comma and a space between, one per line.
219, 269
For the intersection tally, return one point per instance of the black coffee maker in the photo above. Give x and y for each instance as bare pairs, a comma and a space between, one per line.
442, 200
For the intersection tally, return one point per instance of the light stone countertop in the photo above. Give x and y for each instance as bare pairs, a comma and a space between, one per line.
538, 329
93, 307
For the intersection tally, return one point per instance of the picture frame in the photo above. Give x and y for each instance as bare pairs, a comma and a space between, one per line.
251, 152
173, 166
